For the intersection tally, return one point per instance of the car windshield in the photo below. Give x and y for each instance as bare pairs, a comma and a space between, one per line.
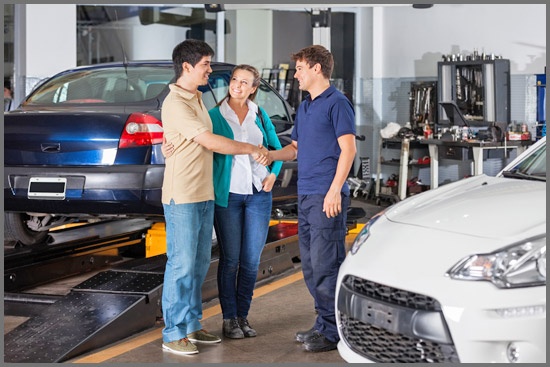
533, 167
105, 85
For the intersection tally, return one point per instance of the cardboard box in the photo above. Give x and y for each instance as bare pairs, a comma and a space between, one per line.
416, 189
388, 190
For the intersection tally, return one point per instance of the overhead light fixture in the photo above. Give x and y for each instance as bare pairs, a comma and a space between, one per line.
213, 8
320, 18
422, 6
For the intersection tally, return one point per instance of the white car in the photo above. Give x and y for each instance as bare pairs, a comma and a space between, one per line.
455, 274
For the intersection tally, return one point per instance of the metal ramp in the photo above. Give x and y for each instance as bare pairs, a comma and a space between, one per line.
106, 308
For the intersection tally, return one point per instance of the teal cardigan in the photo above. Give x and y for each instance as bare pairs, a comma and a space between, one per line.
224, 162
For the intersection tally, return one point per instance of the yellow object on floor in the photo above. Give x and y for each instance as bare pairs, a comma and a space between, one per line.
357, 229
155, 240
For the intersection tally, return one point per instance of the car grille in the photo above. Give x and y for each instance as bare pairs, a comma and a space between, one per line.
391, 295
384, 345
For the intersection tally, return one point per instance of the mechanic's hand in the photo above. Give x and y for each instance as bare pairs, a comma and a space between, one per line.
167, 148
332, 206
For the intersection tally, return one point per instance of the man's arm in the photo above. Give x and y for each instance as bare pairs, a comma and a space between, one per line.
223, 145
332, 205
288, 153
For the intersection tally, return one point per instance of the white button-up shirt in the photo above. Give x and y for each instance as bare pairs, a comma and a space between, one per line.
245, 171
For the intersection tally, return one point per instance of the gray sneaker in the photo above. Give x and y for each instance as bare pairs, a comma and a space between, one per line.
182, 346
202, 336
231, 329
245, 327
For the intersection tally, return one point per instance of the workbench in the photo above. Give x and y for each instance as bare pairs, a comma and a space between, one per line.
467, 149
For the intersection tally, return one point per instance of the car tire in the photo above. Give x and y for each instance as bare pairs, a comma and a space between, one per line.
16, 230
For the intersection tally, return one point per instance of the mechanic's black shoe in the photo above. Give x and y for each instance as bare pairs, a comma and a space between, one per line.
302, 336
318, 343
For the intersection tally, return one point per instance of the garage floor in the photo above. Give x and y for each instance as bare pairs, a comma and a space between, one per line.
279, 309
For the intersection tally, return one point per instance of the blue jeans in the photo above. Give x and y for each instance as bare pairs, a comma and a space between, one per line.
322, 251
189, 249
242, 231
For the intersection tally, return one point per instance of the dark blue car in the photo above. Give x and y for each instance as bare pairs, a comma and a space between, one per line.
85, 146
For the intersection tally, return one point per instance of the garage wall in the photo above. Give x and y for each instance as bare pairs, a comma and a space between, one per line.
415, 39
407, 43
291, 32
250, 40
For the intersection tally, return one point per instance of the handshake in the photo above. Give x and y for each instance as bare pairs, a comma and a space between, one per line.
259, 153
262, 156
266, 157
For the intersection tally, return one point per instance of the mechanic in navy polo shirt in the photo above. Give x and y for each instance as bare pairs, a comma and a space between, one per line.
324, 129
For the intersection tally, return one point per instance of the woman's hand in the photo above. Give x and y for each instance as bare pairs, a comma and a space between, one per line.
268, 182
167, 148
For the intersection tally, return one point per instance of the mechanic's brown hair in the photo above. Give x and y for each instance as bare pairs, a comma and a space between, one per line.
316, 54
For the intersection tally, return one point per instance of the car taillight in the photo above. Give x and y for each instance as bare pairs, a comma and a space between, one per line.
141, 129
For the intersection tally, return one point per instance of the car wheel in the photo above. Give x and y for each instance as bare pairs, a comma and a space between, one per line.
16, 229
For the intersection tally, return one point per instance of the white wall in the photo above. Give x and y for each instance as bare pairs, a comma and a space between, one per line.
151, 42
50, 28
253, 38
415, 39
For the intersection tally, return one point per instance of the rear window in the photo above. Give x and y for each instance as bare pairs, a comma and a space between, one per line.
106, 85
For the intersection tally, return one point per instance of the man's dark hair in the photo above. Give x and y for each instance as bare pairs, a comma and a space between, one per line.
190, 51
316, 54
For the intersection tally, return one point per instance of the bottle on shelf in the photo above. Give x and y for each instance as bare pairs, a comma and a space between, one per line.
428, 132
465, 132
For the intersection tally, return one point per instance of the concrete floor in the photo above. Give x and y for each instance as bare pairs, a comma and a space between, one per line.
280, 308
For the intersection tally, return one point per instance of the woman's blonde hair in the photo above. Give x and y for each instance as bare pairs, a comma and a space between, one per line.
255, 82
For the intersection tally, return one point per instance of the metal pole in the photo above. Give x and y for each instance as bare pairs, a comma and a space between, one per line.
220, 36
19, 53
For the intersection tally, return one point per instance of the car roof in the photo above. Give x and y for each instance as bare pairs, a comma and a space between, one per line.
215, 65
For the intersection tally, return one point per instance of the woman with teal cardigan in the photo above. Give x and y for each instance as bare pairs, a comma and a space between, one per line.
243, 198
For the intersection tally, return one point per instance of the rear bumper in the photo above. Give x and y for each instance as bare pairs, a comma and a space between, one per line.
125, 189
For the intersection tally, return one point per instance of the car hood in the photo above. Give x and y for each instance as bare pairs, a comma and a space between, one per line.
480, 206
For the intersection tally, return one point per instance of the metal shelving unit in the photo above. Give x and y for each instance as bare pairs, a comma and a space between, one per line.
408, 150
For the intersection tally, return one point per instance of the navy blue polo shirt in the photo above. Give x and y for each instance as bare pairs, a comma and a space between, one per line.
318, 125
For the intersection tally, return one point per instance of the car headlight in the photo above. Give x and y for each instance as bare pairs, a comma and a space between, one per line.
364, 234
519, 265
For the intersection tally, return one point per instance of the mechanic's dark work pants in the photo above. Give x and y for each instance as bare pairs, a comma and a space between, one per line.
322, 250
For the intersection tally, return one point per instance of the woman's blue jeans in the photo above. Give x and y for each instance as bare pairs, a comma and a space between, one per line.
242, 231
189, 249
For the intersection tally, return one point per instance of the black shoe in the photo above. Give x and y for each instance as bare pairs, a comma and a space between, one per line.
318, 343
302, 336
246, 328
231, 329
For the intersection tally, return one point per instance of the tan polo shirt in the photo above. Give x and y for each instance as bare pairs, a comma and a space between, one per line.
188, 172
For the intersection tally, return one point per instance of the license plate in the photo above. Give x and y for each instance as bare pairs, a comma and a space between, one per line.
47, 188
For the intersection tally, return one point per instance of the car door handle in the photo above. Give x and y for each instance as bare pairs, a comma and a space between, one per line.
50, 148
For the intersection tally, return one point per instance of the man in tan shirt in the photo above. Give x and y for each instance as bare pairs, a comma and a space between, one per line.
188, 196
